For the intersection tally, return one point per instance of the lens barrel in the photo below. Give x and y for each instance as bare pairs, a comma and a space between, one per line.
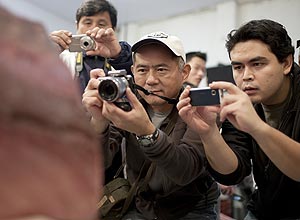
112, 88
87, 43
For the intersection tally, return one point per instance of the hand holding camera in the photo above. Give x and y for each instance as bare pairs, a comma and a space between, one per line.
206, 96
61, 38
112, 88
82, 42
107, 43
112, 99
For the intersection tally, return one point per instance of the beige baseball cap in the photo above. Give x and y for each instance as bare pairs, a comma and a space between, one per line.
172, 42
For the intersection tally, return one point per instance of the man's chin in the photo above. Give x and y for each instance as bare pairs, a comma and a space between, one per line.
153, 100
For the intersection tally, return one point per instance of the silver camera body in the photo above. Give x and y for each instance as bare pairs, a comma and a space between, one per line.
112, 88
81, 42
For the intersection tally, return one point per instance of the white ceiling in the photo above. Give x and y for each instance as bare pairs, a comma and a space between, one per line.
128, 10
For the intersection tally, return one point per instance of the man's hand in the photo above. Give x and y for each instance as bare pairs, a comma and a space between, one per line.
62, 38
200, 118
93, 103
135, 121
237, 107
107, 43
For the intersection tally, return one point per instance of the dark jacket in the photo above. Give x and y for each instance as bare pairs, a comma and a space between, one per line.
180, 179
124, 61
277, 196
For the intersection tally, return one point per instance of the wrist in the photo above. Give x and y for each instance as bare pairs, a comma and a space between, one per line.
148, 140
149, 130
99, 126
117, 52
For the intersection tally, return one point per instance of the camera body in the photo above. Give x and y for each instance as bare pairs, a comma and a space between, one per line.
112, 88
205, 96
81, 42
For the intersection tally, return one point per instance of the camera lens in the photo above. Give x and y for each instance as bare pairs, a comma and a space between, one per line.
108, 90
112, 89
87, 43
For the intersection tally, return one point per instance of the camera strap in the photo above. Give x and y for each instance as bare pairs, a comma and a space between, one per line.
79, 62
146, 92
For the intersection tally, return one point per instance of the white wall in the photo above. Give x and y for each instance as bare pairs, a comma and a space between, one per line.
30, 11
203, 30
206, 30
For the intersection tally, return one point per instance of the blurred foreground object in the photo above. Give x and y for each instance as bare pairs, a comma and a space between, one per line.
49, 159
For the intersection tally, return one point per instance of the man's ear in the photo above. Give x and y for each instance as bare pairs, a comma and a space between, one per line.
132, 69
186, 71
287, 64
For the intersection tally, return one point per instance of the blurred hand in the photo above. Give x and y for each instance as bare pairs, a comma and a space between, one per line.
62, 38
107, 43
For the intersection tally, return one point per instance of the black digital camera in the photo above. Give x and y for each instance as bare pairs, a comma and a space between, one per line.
112, 88
206, 96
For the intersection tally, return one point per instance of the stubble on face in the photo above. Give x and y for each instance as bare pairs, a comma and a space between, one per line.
156, 70
257, 71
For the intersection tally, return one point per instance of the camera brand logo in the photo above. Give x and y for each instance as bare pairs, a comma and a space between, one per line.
158, 35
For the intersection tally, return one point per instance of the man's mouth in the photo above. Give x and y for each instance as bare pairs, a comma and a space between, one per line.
250, 90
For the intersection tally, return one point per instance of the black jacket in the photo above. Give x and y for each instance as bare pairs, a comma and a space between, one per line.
277, 196
124, 61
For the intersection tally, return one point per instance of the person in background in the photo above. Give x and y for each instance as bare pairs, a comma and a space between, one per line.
197, 76
159, 144
261, 120
98, 19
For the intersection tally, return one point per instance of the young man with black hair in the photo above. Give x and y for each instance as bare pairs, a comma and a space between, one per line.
97, 18
261, 120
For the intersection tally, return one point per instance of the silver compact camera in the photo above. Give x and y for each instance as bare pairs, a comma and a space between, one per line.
81, 42
112, 88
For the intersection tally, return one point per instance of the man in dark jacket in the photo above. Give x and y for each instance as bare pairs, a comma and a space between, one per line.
178, 185
262, 120
98, 19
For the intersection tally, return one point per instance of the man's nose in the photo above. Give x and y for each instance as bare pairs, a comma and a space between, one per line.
94, 24
201, 73
248, 74
151, 77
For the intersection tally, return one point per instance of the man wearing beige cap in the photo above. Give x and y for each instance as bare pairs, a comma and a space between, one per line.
177, 184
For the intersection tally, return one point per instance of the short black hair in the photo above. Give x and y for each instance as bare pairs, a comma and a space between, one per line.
267, 31
92, 7
199, 54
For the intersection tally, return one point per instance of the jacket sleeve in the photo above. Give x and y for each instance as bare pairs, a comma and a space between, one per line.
179, 157
110, 141
124, 61
241, 144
